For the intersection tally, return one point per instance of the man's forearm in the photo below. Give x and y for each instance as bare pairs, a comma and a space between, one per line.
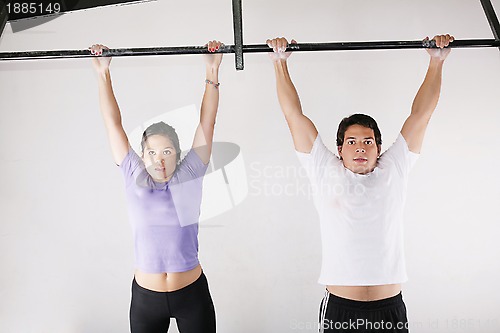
287, 94
428, 95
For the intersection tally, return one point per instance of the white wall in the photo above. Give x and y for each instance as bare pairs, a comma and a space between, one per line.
65, 244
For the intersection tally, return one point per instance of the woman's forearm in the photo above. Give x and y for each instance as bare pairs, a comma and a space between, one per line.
107, 101
210, 102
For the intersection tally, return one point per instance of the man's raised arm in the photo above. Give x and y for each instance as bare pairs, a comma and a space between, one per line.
303, 130
427, 97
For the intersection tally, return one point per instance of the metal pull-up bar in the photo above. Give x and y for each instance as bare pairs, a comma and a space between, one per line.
256, 48
238, 48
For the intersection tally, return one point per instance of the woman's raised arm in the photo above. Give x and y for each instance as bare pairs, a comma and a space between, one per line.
108, 105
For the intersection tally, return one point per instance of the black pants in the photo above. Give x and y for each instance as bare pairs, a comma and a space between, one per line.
339, 314
191, 306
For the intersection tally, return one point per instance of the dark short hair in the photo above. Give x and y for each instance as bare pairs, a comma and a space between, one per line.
167, 131
358, 119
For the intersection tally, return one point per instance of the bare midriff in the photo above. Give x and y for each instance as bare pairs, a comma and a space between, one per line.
365, 293
164, 282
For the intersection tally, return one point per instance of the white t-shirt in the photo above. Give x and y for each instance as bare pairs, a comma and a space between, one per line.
361, 216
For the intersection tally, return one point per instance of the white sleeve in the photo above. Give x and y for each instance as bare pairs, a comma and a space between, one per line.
315, 163
400, 155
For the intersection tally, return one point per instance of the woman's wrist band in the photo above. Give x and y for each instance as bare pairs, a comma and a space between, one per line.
216, 85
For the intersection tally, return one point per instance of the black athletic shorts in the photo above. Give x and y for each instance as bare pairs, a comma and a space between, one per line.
339, 314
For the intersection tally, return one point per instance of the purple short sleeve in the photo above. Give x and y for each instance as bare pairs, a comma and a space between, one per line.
131, 166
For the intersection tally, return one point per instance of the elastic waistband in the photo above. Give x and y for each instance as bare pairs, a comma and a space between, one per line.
198, 281
380, 304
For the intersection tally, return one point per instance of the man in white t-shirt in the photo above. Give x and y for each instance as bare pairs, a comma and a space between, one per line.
360, 198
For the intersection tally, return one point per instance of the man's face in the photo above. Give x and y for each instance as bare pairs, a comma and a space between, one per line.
359, 151
159, 157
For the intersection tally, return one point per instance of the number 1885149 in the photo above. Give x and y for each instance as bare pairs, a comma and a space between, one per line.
33, 8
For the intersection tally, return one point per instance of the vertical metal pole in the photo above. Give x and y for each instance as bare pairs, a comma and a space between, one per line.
238, 34
3, 16
492, 18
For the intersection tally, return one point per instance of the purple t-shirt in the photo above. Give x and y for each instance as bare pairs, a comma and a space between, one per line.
164, 216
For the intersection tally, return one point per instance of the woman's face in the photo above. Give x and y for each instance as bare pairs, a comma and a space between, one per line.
159, 157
